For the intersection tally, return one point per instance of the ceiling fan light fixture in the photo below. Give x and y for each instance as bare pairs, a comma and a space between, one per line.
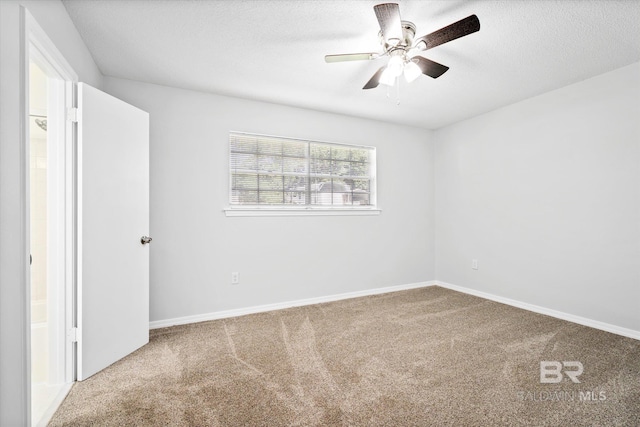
397, 38
395, 65
387, 78
411, 71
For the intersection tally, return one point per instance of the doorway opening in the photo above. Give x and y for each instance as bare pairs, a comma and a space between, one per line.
51, 222
44, 373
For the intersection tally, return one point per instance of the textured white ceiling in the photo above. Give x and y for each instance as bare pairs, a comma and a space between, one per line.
274, 50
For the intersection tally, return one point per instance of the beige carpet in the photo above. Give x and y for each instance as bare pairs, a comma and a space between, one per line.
423, 357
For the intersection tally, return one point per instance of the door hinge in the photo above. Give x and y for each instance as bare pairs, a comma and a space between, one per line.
72, 335
72, 114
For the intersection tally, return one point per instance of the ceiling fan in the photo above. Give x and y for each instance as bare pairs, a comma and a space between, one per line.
397, 40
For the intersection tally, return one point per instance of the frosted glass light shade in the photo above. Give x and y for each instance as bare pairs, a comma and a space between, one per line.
395, 66
387, 77
411, 71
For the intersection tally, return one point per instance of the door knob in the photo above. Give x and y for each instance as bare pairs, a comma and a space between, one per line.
145, 240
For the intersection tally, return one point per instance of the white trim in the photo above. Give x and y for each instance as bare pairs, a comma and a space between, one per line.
233, 211
37, 46
25, 223
55, 404
279, 306
43, 51
618, 330
47, 49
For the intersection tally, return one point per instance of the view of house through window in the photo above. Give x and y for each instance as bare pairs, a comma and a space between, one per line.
269, 170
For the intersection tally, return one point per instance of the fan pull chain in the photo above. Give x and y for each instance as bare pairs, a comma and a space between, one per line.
397, 86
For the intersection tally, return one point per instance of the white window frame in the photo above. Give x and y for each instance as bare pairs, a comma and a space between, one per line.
303, 210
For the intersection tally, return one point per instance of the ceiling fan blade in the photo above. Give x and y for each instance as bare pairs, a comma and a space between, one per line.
375, 80
350, 57
463, 27
388, 15
429, 67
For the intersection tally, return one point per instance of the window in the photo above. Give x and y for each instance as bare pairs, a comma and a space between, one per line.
283, 173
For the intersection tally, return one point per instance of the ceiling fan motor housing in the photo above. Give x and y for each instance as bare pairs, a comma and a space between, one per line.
408, 33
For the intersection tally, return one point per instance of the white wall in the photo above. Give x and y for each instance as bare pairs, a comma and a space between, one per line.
545, 193
53, 18
196, 247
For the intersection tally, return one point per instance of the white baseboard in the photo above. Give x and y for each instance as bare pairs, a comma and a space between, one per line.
279, 306
54, 405
317, 300
630, 333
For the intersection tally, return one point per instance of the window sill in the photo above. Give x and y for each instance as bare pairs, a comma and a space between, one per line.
238, 211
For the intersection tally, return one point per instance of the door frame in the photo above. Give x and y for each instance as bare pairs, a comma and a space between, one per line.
61, 95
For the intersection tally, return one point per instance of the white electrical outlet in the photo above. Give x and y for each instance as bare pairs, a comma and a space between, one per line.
474, 264
235, 278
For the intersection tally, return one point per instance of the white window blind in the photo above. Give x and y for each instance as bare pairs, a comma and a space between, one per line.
276, 171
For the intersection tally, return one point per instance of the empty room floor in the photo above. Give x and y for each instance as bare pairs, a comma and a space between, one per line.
429, 356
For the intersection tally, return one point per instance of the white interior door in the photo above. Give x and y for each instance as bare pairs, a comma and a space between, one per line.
113, 215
